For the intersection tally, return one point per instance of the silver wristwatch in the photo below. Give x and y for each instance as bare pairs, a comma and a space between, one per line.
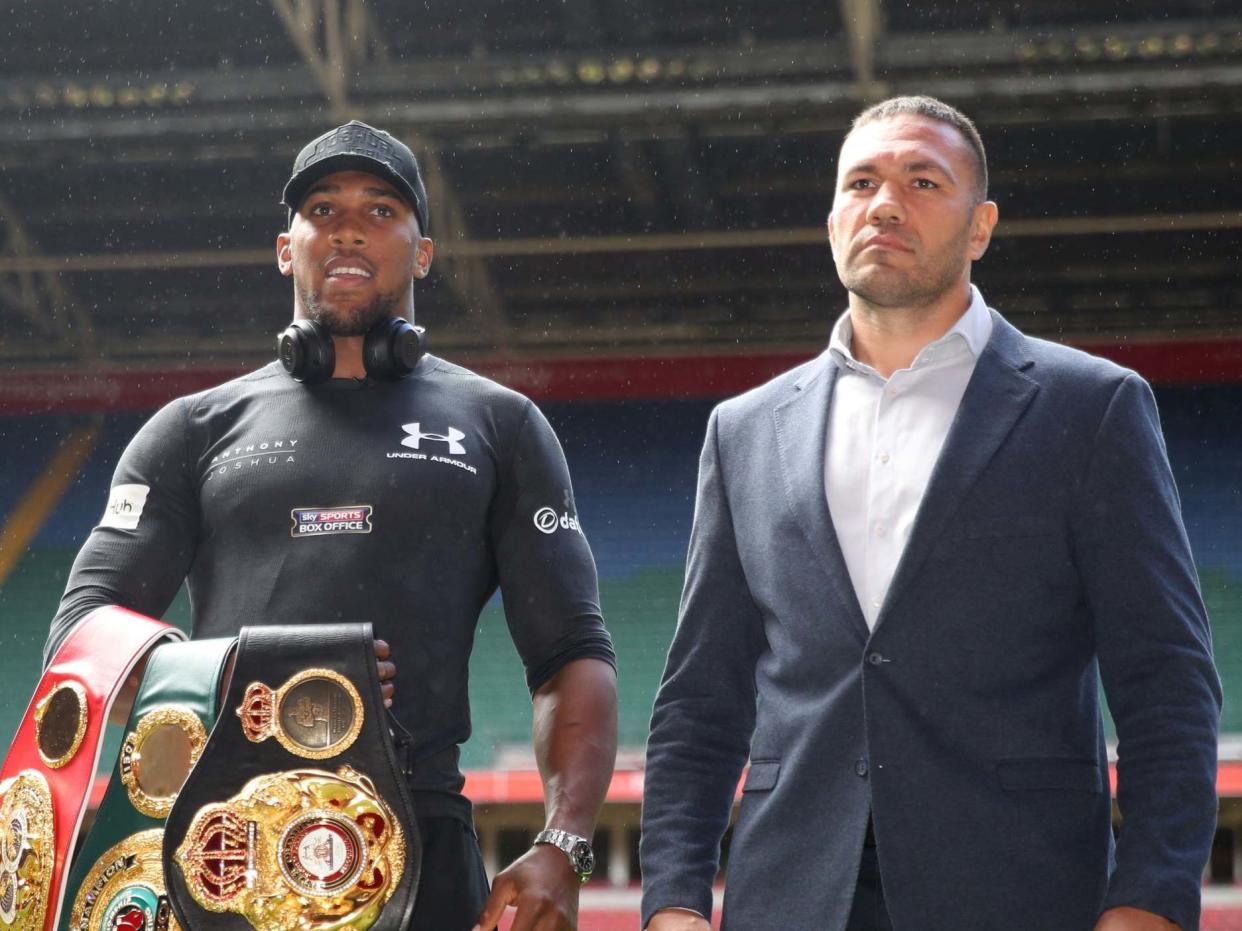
578, 849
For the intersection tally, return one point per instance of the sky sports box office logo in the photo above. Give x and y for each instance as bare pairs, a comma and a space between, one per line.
318, 522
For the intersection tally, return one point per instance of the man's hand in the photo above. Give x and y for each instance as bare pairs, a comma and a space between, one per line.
575, 738
543, 888
1133, 919
678, 919
387, 671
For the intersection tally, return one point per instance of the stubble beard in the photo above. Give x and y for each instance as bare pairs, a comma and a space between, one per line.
348, 321
924, 285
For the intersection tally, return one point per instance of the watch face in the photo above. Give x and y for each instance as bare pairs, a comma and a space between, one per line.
583, 858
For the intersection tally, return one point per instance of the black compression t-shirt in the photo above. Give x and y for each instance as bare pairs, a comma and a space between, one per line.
400, 503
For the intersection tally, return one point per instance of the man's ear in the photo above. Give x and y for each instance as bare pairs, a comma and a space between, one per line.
424, 253
832, 233
284, 254
981, 225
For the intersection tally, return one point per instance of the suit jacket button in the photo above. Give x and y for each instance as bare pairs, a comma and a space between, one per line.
875, 658
860, 767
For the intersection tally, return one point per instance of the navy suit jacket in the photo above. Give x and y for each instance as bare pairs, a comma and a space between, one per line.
1048, 551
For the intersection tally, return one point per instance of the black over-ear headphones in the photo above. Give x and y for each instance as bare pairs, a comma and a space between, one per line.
390, 351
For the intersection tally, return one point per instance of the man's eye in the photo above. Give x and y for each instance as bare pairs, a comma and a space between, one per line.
925, 183
320, 210
861, 184
384, 210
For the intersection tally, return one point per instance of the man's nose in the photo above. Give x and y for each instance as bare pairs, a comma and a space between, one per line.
886, 206
349, 233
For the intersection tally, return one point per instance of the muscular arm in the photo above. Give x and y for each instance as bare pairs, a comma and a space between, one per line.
575, 736
551, 599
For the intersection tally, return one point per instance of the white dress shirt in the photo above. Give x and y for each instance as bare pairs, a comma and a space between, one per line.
884, 437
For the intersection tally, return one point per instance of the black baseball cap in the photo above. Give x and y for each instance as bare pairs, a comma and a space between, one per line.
358, 147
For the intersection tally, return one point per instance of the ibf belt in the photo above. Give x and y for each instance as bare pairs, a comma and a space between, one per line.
47, 775
297, 817
27, 850
117, 880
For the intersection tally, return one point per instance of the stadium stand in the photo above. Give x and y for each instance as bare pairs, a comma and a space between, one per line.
634, 468
634, 465
635, 189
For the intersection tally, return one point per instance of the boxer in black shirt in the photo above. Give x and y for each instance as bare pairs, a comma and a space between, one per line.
380, 483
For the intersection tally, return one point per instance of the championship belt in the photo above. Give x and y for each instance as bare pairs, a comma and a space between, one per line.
47, 775
298, 816
117, 880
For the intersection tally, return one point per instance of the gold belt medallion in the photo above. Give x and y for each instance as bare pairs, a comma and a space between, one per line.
158, 755
315, 715
60, 724
27, 850
124, 891
302, 850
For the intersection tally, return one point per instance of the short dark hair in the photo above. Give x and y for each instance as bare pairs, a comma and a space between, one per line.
933, 109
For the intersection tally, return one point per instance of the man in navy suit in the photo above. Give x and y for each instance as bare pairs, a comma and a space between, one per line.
912, 559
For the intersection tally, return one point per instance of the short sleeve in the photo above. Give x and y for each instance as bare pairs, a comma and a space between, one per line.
547, 574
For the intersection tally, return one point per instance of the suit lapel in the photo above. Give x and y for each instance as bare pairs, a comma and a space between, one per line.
801, 431
995, 398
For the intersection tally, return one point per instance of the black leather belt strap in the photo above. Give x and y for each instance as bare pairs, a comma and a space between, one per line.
289, 722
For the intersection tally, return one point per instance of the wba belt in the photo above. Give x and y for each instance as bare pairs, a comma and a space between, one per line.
297, 816
47, 775
117, 880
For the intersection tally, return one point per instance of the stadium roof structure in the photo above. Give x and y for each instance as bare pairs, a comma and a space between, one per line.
606, 176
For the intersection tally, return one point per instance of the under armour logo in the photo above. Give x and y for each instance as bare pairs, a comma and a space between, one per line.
416, 436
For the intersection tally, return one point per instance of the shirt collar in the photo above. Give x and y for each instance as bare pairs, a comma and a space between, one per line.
974, 327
